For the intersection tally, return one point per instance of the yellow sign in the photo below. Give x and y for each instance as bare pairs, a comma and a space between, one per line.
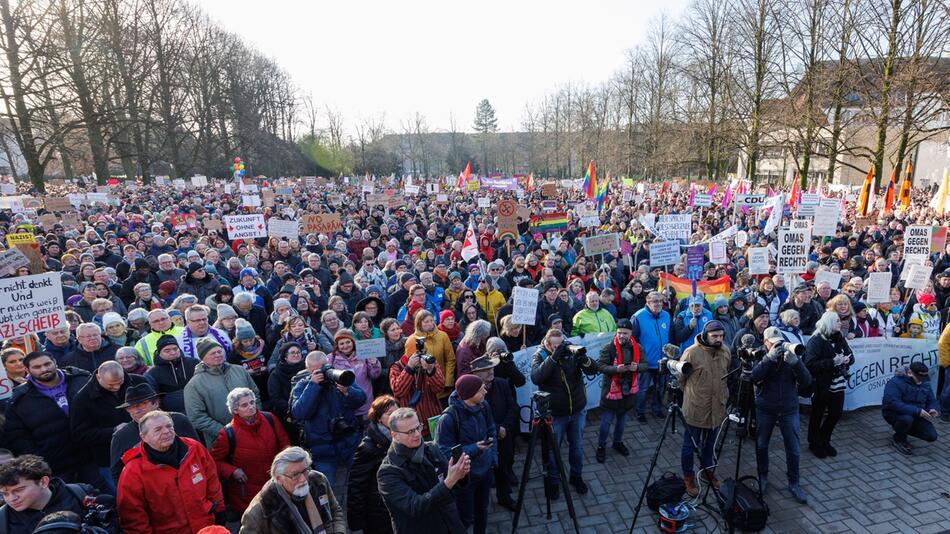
473, 185
20, 238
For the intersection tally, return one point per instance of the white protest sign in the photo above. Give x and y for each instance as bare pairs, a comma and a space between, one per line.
919, 276
678, 226
251, 200
76, 199
917, 243
371, 348
793, 244
228, 188
725, 234
248, 188
627, 195
702, 200
601, 244
283, 229
7, 189
245, 226
742, 238
11, 260
664, 253
879, 287
648, 221
442, 198
6, 385
775, 216
524, 305
809, 204
31, 304
199, 180
826, 218
758, 260
751, 200
484, 202
589, 221
717, 252
179, 183
412, 189
833, 278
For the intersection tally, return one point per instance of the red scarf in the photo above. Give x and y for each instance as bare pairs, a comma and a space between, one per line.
615, 391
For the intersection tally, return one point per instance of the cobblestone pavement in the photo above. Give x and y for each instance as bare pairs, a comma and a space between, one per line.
868, 487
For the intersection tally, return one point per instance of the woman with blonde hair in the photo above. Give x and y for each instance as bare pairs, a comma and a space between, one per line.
437, 345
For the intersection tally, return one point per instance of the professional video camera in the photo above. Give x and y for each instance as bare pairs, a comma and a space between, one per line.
542, 404
671, 364
100, 512
343, 377
421, 350
748, 354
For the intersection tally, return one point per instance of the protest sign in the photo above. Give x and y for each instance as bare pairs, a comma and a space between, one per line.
35, 255
601, 244
97, 198
648, 221
484, 202
48, 220
918, 276
20, 237
878, 287
917, 243
31, 304
793, 244
199, 180
695, 261
245, 226
70, 220
212, 225
742, 238
377, 199
751, 200
826, 217
549, 189
717, 252
507, 219
7, 189
758, 260
702, 200
524, 305
833, 278
57, 204
6, 385
283, 229
679, 226
322, 223
589, 221
268, 199
371, 348
664, 253
808, 205
548, 205
412, 190
251, 200
627, 195
11, 260
442, 198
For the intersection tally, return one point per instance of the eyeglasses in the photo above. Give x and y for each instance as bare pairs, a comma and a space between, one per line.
298, 474
411, 431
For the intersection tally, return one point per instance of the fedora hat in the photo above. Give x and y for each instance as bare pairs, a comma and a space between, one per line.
137, 394
484, 362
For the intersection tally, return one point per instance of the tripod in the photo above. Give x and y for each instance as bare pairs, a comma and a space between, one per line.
541, 425
741, 415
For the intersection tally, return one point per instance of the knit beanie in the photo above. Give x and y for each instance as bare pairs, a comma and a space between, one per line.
243, 330
205, 345
343, 333
164, 341
445, 314
138, 314
111, 318
282, 303
225, 310
467, 386
713, 326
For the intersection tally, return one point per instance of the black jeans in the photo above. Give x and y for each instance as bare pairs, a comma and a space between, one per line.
826, 409
504, 471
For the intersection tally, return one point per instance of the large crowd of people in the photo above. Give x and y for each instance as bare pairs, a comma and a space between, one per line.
202, 380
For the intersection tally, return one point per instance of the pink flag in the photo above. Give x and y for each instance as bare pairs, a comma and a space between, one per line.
727, 198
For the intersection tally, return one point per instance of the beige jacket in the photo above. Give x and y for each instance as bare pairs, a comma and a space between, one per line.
704, 391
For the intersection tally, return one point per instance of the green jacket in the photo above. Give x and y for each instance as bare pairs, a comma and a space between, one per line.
146, 345
588, 321
206, 397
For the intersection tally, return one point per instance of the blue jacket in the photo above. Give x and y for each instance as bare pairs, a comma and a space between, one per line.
429, 307
474, 424
652, 333
903, 396
315, 406
681, 332
777, 384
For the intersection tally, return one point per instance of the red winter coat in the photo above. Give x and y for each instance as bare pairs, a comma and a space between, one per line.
157, 499
255, 445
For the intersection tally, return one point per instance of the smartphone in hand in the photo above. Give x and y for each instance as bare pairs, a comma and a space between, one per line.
456, 453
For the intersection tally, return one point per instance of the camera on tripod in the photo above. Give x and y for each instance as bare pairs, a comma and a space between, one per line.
542, 404
421, 350
671, 364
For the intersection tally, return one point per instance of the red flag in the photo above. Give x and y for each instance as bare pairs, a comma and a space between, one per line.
867, 191
470, 245
464, 175
891, 191
793, 196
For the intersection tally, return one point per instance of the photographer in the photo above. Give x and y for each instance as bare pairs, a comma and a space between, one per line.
620, 361
828, 358
704, 402
506, 367
910, 407
557, 368
327, 411
417, 381
505, 410
778, 378
31, 492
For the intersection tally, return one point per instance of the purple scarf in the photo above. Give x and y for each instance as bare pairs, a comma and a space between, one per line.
56, 393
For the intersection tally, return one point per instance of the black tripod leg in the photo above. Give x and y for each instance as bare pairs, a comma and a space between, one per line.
547, 435
524, 478
656, 454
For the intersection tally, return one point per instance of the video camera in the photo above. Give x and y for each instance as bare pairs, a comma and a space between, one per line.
748, 353
100, 511
421, 350
670, 363
542, 404
343, 377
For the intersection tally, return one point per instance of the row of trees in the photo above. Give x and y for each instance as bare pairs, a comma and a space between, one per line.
140, 87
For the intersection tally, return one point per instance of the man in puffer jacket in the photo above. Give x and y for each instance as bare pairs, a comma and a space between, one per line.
171, 373
651, 326
909, 406
689, 323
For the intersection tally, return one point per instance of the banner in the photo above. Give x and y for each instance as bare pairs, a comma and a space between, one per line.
283, 229
31, 304
663, 253
758, 260
245, 226
751, 200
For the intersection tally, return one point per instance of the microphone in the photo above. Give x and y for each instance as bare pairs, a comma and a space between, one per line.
748, 340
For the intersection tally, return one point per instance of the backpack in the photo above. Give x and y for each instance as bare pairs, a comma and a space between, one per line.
229, 432
458, 423
668, 489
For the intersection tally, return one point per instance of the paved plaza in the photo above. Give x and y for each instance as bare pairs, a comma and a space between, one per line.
869, 487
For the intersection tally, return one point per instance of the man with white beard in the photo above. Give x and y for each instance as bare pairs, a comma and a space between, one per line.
295, 500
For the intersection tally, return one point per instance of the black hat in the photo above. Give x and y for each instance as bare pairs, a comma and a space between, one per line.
755, 311
345, 278
554, 317
194, 266
139, 393
550, 284
164, 341
484, 362
141, 263
380, 305
624, 323
920, 369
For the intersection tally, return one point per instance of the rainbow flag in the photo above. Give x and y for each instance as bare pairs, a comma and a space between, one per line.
684, 288
602, 190
590, 182
549, 222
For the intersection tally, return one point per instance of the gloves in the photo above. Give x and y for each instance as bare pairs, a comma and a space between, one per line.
791, 358
775, 354
626, 295
840, 359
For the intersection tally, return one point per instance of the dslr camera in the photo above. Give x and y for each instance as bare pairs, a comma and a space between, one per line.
505, 356
542, 404
343, 377
421, 351
750, 355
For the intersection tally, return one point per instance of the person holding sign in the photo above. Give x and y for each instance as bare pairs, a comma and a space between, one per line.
344, 357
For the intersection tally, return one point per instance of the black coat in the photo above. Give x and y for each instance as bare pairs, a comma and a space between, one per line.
504, 406
93, 416
819, 358
90, 361
608, 355
63, 499
170, 377
364, 506
126, 437
417, 499
258, 319
561, 375
36, 425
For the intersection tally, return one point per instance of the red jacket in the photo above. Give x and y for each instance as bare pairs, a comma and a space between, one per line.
157, 499
255, 446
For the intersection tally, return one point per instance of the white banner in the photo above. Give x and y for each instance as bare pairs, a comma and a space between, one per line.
878, 287
793, 244
758, 260
717, 252
751, 200
31, 304
601, 244
827, 216
702, 200
245, 226
280, 228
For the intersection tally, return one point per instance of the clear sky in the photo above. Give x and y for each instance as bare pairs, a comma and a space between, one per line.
440, 58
